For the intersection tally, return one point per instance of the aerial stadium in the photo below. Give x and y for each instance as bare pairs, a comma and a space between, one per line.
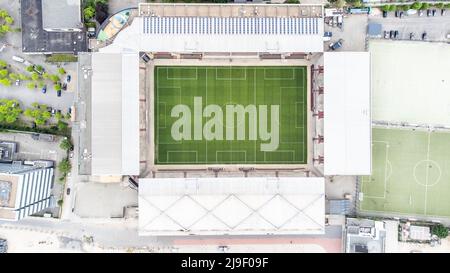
231, 113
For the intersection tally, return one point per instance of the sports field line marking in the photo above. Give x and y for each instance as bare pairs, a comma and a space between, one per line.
181, 78
165, 116
279, 79
168, 155
231, 78
386, 162
427, 173
232, 151
157, 112
281, 151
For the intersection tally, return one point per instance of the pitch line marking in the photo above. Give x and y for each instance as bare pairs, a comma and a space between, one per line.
279, 79
181, 78
168, 155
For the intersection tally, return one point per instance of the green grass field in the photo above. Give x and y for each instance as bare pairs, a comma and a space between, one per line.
410, 173
222, 86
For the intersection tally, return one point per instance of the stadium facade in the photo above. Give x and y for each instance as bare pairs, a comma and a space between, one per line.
203, 35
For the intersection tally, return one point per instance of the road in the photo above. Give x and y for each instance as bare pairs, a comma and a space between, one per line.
122, 235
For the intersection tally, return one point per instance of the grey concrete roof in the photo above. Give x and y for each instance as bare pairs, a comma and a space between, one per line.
36, 40
61, 14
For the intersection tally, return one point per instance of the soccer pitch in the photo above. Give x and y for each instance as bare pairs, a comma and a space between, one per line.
230, 115
410, 173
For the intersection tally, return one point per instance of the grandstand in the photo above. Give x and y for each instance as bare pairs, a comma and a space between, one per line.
232, 102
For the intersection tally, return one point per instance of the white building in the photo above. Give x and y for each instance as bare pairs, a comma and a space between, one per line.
24, 190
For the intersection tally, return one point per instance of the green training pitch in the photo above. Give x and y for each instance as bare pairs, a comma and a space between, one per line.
230, 115
410, 173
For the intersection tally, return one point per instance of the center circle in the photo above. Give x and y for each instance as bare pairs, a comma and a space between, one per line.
427, 173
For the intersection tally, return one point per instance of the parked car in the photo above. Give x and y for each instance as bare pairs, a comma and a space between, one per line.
64, 86
145, 57
411, 35
17, 82
396, 13
53, 111
386, 34
18, 59
49, 109
391, 34
68, 78
395, 34
442, 12
385, 13
58, 93
44, 89
69, 110
420, 12
428, 12
336, 45
433, 12
424, 36
68, 191
401, 14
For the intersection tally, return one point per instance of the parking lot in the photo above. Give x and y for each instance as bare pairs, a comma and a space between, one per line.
353, 33
436, 27
13, 40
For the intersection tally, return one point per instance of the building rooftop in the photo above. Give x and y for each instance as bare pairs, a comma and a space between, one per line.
237, 206
61, 14
365, 236
37, 40
229, 10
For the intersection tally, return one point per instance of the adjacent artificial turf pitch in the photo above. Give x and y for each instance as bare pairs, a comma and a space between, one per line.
410, 173
231, 85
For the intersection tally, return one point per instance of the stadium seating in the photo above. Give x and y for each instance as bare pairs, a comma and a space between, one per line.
231, 25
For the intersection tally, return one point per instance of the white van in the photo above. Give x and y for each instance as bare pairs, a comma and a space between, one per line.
18, 59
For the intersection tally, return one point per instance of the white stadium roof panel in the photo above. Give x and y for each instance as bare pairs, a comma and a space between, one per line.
115, 114
347, 126
178, 206
215, 34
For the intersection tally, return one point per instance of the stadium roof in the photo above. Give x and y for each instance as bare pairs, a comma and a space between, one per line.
115, 114
213, 206
347, 127
218, 34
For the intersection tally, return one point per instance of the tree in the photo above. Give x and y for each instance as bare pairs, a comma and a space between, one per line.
35, 76
405, 7
3, 64
340, 3
9, 20
9, 111
4, 73
61, 71
440, 231
60, 202
89, 13
5, 82
57, 87
62, 125
392, 8
440, 5
30, 68
54, 78
416, 5
41, 84
14, 76
24, 77
425, 6
64, 166
66, 144
31, 85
